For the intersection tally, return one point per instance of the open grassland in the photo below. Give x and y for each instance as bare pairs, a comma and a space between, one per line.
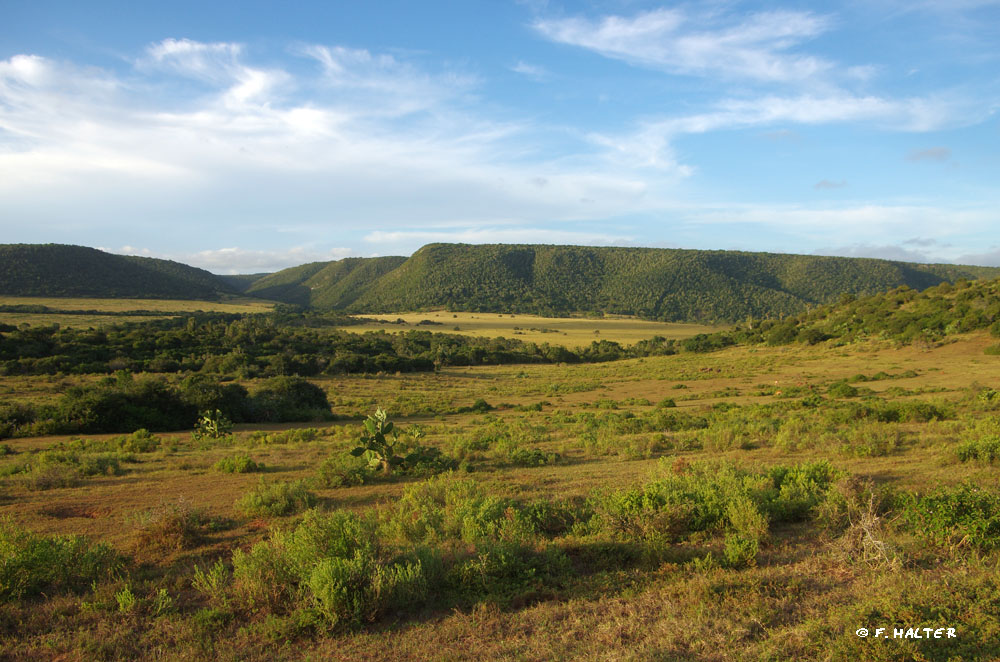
86, 312
566, 331
756, 503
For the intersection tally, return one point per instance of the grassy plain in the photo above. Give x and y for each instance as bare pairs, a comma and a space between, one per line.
566, 331
145, 309
640, 592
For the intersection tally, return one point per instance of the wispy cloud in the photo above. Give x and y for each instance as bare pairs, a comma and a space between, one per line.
759, 46
532, 71
930, 154
236, 260
495, 235
826, 184
366, 140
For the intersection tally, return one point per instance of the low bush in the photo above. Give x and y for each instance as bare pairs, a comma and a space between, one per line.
714, 496
985, 450
966, 515
333, 566
344, 470
34, 564
276, 499
293, 436
241, 463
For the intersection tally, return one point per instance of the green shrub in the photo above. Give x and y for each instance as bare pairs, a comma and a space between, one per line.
963, 515
34, 564
213, 424
446, 508
334, 566
65, 468
748, 526
293, 436
240, 463
276, 499
504, 571
985, 450
842, 390
343, 470
140, 441
992, 350
872, 440
287, 399
707, 495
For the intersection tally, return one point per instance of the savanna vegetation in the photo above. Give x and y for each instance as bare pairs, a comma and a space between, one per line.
761, 493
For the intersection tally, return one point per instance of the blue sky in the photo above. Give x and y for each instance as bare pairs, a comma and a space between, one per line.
251, 136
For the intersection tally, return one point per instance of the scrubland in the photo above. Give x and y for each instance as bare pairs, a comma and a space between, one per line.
752, 503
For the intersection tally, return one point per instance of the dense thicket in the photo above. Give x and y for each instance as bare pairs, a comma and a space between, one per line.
902, 314
122, 403
663, 284
56, 270
276, 344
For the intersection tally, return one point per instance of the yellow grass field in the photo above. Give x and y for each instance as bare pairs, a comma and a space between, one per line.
566, 331
169, 308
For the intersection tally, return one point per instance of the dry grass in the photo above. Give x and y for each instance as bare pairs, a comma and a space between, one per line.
566, 331
169, 308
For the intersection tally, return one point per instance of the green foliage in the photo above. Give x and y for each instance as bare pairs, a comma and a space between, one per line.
213, 425
842, 390
34, 564
241, 463
379, 450
706, 496
276, 499
966, 515
985, 450
344, 470
58, 270
666, 284
286, 399
331, 565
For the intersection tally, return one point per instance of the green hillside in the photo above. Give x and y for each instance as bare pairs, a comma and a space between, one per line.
324, 284
653, 283
902, 314
242, 282
58, 270
665, 284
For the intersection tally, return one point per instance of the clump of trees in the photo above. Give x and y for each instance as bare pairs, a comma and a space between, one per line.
123, 403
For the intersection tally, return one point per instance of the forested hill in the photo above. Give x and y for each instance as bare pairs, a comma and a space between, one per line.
325, 284
655, 283
57, 270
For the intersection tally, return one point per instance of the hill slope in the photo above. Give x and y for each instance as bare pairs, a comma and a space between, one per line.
324, 284
58, 270
665, 284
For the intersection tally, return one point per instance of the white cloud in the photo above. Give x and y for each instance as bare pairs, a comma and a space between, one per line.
882, 252
368, 140
758, 46
494, 235
235, 260
532, 71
